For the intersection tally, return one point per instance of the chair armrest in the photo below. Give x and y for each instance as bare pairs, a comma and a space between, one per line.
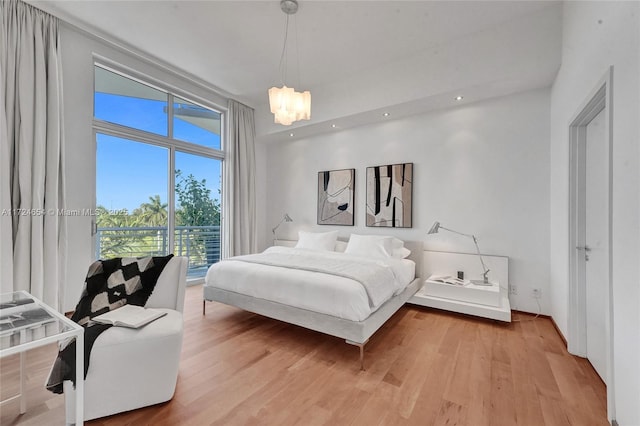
171, 286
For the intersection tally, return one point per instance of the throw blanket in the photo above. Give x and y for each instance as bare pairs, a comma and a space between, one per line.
373, 275
109, 284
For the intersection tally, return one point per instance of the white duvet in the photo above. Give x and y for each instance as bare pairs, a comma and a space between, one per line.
326, 293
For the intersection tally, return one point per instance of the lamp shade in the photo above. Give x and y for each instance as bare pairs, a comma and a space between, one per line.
285, 218
434, 228
288, 106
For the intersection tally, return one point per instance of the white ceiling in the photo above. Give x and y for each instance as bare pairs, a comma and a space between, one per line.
358, 58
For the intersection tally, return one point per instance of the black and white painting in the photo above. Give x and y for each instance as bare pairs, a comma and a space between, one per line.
389, 195
335, 197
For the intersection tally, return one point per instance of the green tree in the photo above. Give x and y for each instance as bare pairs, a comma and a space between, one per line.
105, 219
153, 213
115, 238
197, 208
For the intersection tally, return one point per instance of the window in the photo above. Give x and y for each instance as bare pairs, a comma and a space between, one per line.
158, 173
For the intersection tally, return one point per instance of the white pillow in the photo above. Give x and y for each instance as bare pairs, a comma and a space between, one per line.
401, 253
374, 246
341, 246
325, 241
398, 250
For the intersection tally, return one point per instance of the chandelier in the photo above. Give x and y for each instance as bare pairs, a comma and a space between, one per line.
286, 104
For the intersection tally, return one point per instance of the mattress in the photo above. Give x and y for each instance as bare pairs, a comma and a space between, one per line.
315, 291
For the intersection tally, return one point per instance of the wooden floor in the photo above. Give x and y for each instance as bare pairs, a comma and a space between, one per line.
423, 367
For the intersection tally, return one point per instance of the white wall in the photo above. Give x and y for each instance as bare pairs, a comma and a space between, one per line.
597, 35
78, 50
480, 168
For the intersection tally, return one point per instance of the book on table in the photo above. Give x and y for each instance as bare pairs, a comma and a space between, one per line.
448, 279
22, 303
16, 306
130, 316
23, 316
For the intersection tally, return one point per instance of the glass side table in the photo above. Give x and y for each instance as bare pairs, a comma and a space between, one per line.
27, 323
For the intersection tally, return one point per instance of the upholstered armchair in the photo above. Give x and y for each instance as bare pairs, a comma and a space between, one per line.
134, 368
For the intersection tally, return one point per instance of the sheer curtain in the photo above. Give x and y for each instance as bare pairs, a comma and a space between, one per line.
32, 232
239, 203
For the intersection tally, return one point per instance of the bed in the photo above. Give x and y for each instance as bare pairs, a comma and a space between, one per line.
301, 293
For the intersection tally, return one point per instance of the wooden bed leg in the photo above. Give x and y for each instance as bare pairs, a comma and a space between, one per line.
361, 346
203, 305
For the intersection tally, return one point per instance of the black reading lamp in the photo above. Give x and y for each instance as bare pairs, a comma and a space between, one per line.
434, 230
285, 218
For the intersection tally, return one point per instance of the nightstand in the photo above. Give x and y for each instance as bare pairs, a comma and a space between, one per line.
479, 300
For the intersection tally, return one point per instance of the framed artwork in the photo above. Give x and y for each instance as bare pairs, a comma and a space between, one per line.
335, 197
389, 195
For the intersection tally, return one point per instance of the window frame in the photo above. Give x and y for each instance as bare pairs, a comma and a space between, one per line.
172, 145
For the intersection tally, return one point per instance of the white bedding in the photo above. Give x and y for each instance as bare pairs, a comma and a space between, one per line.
315, 291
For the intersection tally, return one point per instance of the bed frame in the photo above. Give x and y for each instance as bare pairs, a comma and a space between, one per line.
355, 333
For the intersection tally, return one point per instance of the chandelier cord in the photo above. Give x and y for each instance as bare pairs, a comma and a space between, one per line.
283, 69
295, 24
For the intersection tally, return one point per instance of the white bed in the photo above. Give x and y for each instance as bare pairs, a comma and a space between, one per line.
339, 305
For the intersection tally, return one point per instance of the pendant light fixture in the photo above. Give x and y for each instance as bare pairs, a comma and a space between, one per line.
286, 104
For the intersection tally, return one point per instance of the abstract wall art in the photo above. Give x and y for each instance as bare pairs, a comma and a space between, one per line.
335, 197
389, 195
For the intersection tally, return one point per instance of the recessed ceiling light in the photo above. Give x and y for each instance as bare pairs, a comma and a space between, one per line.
386, 114
333, 125
291, 134
459, 98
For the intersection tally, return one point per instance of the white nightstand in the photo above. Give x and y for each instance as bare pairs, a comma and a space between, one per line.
483, 301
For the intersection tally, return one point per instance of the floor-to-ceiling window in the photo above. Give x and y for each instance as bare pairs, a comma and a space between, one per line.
158, 172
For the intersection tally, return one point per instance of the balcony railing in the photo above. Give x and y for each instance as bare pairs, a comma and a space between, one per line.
201, 244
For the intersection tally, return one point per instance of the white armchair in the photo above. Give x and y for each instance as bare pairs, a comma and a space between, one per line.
134, 368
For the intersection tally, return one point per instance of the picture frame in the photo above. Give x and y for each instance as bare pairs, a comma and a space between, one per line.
389, 200
336, 195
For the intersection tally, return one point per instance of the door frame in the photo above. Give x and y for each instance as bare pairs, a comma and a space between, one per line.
600, 98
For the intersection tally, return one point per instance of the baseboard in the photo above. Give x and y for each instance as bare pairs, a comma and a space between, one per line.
530, 313
559, 332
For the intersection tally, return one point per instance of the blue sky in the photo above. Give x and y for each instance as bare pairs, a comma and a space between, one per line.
130, 172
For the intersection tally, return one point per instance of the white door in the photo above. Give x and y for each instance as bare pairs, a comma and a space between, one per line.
596, 252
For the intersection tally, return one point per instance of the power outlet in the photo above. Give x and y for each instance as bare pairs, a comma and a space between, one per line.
513, 290
536, 293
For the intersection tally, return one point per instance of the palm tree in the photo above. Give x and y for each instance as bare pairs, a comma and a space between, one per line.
154, 213
112, 242
106, 219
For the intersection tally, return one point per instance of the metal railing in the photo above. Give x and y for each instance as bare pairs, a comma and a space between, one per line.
201, 244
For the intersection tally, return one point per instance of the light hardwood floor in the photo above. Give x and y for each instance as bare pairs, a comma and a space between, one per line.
423, 367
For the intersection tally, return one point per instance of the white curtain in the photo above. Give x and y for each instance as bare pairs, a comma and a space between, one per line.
32, 232
239, 195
